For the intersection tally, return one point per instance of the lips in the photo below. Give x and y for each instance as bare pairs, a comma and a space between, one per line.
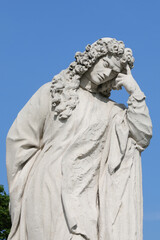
100, 77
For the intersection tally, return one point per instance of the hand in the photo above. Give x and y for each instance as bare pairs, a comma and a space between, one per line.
127, 81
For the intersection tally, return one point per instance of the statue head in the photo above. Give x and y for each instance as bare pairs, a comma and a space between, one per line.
101, 62
111, 48
103, 70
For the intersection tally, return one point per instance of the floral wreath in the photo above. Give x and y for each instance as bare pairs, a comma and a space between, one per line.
65, 85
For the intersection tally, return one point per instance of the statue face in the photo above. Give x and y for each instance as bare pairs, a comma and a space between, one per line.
105, 69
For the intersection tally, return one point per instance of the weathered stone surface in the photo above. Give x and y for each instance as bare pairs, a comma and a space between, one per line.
73, 155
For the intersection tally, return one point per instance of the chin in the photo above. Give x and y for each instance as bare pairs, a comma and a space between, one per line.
96, 81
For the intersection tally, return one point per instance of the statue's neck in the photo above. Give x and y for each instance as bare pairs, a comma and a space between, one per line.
86, 84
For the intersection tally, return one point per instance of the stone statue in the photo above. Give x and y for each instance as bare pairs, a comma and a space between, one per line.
73, 155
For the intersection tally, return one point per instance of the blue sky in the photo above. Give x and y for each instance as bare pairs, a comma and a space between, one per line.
39, 39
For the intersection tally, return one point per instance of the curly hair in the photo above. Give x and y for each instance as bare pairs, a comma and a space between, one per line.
65, 85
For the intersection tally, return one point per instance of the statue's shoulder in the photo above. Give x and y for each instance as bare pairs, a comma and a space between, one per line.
43, 93
45, 88
41, 98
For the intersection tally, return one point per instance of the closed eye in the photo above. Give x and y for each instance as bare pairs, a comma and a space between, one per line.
105, 63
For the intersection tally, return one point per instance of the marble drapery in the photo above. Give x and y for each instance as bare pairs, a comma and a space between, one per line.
79, 178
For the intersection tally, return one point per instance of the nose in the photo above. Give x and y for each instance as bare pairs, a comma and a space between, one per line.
107, 72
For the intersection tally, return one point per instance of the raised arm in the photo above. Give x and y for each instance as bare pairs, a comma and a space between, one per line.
138, 118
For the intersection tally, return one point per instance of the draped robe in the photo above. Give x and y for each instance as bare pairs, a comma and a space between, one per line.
79, 178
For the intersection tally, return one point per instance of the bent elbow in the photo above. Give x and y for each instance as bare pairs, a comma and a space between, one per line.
145, 138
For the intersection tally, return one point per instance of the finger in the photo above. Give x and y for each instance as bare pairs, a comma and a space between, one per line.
121, 74
116, 88
118, 79
128, 69
119, 85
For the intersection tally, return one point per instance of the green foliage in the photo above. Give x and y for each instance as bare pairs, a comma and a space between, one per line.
5, 220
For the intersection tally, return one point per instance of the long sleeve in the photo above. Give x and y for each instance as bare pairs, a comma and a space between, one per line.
133, 122
140, 125
24, 142
24, 137
120, 185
